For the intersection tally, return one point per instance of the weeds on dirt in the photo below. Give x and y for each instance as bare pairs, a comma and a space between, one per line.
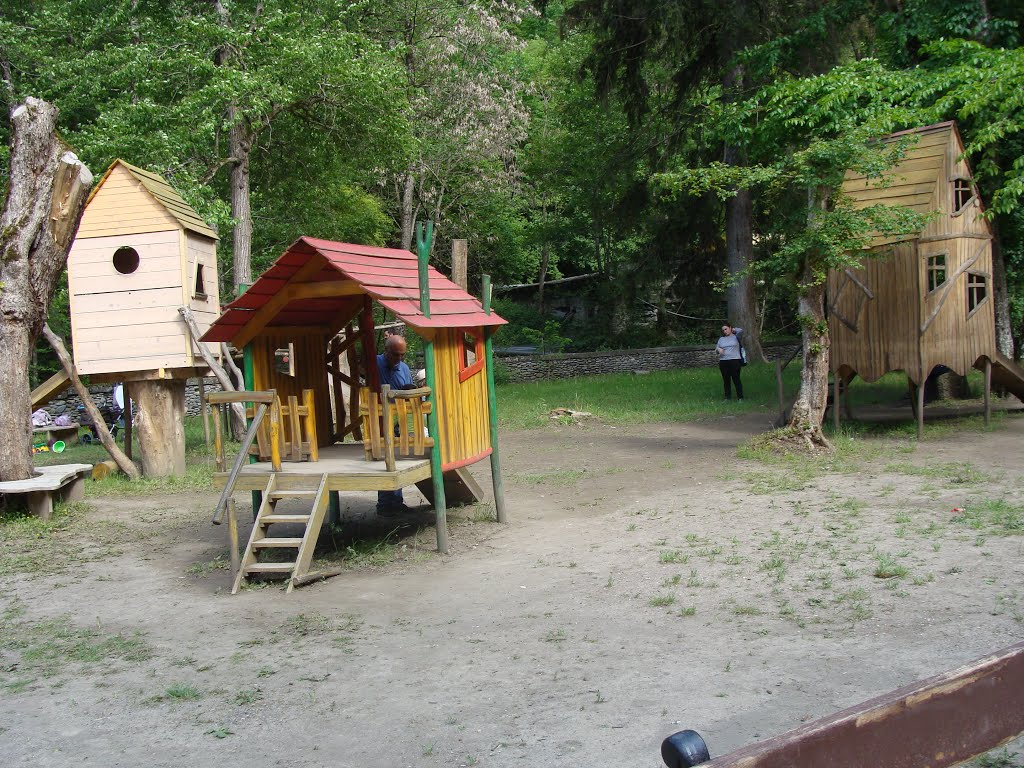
34, 649
993, 517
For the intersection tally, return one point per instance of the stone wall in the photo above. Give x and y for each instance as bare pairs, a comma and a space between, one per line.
69, 402
570, 364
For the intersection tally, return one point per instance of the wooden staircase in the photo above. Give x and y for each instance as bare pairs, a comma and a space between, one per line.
297, 570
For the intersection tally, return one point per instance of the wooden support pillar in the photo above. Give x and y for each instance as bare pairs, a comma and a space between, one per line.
128, 418
492, 412
780, 387
204, 407
460, 264
835, 401
423, 241
920, 411
161, 405
988, 391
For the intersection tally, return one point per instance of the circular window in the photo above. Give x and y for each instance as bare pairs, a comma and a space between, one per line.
126, 260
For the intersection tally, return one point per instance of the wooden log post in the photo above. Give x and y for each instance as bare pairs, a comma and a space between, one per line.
161, 422
423, 243
988, 391
492, 412
460, 264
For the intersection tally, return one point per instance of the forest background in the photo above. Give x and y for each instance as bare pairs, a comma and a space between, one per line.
686, 156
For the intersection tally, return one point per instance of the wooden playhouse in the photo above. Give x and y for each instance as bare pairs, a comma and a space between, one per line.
924, 299
307, 330
140, 254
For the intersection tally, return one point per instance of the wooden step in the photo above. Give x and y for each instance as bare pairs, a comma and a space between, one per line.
285, 494
275, 543
268, 519
270, 568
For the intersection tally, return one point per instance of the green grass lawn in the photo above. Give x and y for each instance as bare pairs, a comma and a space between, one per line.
625, 398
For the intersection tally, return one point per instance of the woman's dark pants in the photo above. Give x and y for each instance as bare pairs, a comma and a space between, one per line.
731, 375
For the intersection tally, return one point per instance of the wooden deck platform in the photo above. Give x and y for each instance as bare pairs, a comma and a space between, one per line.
345, 466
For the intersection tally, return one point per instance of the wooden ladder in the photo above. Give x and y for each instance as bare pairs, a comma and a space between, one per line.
297, 570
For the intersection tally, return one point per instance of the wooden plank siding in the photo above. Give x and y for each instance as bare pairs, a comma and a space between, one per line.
123, 206
310, 364
463, 420
953, 339
887, 332
126, 323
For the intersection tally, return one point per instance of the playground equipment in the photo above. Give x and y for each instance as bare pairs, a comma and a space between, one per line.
306, 306
925, 299
141, 253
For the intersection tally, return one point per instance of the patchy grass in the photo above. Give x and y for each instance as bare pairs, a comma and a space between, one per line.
46, 649
33, 547
995, 517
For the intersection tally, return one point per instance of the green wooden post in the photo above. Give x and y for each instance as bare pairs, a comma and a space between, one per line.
248, 378
492, 411
440, 510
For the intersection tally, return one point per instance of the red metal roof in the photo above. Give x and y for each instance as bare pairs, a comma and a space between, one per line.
389, 275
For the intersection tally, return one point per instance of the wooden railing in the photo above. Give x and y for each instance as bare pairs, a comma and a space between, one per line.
262, 400
406, 408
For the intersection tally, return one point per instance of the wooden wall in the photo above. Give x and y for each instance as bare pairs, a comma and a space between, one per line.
123, 206
310, 373
201, 250
887, 332
462, 411
124, 323
952, 338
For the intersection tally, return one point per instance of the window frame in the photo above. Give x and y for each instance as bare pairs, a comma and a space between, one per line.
467, 371
929, 269
986, 279
959, 210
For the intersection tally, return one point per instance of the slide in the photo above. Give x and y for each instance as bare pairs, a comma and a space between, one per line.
49, 389
1008, 375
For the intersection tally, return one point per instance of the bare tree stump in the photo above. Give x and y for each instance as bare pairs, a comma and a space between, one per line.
47, 190
161, 426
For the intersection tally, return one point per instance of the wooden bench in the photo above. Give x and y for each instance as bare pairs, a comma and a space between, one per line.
68, 434
65, 481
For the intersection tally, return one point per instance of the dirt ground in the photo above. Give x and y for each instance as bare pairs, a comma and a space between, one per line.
649, 580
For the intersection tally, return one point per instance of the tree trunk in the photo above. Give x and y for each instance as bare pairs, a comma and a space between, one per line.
47, 190
161, 425
408, 215
241, 208
739, 237
1001, 297
124, 462
811, 400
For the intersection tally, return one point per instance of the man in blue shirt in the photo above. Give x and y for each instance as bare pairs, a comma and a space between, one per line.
395, 373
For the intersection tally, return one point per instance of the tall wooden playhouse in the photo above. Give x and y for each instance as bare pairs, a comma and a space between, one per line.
321, 422
141, 253
924, 299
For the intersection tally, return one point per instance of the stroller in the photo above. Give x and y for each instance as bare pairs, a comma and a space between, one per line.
112, 417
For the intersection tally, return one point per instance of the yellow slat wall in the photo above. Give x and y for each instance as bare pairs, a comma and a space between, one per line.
123, 205
310, 373
462, 406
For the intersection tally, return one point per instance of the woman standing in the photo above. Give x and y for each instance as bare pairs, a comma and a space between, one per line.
730, 360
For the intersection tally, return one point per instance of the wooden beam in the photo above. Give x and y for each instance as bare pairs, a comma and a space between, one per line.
937, 722
326, 290
276, 303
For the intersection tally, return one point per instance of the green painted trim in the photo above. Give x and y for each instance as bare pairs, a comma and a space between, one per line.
423, 241
492, 410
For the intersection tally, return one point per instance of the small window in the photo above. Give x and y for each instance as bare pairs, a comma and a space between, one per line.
963, 193
284, 360
199, 290
471, 352
936, 271
126, 260
977, 291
